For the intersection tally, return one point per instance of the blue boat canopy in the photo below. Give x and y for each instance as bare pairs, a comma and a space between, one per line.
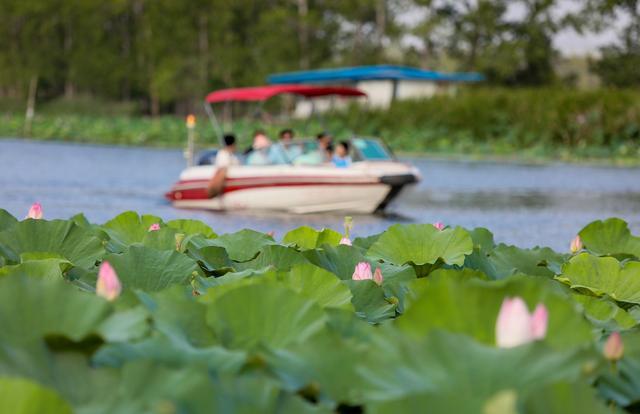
376, 72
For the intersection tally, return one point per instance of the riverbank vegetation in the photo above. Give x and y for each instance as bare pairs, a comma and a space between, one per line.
526, 124
143, 315
127, 72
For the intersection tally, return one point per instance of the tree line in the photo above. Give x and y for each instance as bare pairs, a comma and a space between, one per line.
166, 54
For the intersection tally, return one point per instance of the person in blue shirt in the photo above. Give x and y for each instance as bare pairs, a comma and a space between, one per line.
341, 158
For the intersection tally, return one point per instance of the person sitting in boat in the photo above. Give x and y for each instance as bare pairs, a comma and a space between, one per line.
341, 158
291, 149
321, 154
259, 154
226, 156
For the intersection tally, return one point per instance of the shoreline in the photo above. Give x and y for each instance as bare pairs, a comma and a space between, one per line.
514, 158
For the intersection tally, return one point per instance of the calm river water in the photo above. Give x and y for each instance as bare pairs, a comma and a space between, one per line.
526, 205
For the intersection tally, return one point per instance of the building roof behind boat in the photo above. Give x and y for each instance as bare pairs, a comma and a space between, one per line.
383, 83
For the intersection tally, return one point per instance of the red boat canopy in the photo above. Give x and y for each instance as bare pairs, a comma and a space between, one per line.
261, 93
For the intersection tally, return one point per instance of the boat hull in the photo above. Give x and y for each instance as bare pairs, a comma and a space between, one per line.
295, 189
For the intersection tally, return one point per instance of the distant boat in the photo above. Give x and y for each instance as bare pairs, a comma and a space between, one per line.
368, 185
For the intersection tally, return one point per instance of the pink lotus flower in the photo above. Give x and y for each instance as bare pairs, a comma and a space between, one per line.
439, 225
108, 285
154, 227
362, 272
515, 326
613, 347
35, 212
576, 245
345, 241
377, 276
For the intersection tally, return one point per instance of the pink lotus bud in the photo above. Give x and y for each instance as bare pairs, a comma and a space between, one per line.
345, 241
108, 285
377, 276
154, 227
539, 321
35, 212
271, 233
613, 347
515, 326
439, 225
362, 272
576, 245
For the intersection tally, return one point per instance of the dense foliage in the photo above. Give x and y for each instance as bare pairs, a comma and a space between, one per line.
241, 322
528, 123
164, 54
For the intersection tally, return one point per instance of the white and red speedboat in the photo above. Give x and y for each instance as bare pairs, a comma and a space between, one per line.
368, 185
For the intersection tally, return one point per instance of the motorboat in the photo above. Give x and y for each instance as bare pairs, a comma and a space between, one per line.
369, 184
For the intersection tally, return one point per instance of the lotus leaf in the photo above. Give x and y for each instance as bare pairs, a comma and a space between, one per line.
66, 239
32, 307
263, 314
610, 237
421, 244
603, 276
128, 228
148, 269
22, 396
438, 307
191, 227
243, 245
307, 238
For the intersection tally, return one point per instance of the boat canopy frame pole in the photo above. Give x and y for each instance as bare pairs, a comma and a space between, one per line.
214, 123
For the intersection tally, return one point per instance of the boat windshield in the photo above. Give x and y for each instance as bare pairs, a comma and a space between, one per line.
371, 149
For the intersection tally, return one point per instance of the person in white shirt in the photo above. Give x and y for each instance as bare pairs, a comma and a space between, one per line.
226, 156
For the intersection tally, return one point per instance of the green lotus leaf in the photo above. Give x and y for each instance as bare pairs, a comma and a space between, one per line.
369, 300
558, 398
307, 238
147, 387
622, 385
213, 259
212, 288
364, 243
21, 396
318, 284
471, 307
257, 393
503, 261
190, 227
128, 228
339, 260
604, 313
310, 281
334, 375
148, 269
565, 398
163, 239
280, 257
31, 308
603, 276
46, 267
443, 366
62, 238
263, 314
243, 245
421, 244
610, 237
482, 239
6, 220
125, 325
